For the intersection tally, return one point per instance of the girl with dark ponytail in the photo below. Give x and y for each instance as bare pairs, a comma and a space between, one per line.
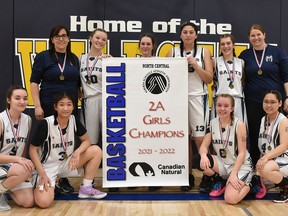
200, 74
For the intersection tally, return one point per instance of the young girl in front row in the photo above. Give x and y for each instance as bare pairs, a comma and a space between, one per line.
52, 152
15, 168
273, 144
232, 161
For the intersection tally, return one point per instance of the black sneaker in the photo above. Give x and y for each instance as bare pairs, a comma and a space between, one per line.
206, 184
191, 184
153, 188
58, 190
258, 187
64, 184
283, 195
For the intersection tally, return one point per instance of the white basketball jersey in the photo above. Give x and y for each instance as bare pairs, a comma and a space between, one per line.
196, 86
91, 83
229, 152
223, 76
14, 143
269, 137
52, 150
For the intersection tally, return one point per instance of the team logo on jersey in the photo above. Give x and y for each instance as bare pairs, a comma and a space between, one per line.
140, 169
269, 58
156, 82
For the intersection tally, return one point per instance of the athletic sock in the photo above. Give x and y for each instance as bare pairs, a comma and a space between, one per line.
87, 182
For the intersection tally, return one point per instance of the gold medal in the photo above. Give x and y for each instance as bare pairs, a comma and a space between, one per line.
269, 148
61, 77
260, 72
88, 81
231, 85
65, 156
190, 68
223, 153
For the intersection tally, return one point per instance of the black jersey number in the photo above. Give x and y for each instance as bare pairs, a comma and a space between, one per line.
200, 128
92, 78
263, 147
62, 155
13, 150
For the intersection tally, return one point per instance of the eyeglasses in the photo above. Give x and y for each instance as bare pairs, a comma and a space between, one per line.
63, 36
270, 102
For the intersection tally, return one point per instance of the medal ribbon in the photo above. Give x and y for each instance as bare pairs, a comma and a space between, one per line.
17, 132
90, 69
64, 144
61, 67
231, 74
225, 142
262, 57
269, 130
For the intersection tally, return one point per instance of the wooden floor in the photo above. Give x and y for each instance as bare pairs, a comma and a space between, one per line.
151, 208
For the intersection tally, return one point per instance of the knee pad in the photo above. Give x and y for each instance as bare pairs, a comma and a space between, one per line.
197, 158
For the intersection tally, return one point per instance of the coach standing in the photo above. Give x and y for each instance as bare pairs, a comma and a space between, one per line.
266, 68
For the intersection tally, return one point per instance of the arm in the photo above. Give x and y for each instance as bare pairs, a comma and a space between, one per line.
43, 178
241, 139
285, 106
214, 74
205, 74
85, 143
39, 113
24, 154
243, 73
280, 149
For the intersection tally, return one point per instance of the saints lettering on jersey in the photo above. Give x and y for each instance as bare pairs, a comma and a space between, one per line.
52, 149
12, 145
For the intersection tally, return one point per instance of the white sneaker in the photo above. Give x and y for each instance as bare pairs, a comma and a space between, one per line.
3, 203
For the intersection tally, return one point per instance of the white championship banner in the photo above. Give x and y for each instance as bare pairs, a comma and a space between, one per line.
145, 122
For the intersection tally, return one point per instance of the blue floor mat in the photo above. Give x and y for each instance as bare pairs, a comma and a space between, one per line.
162, 196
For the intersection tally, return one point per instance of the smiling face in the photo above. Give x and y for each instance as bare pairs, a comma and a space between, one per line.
61, 41
257, 38
146, 46
18, 100
98, 40
224, 106
226, 47
271, 104
64, 107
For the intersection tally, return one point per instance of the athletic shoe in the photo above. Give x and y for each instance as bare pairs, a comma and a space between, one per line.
191, 184
90, 192
258, 187
3, 203
206, 184
218, 188
64, 185
153, 188
283, 195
